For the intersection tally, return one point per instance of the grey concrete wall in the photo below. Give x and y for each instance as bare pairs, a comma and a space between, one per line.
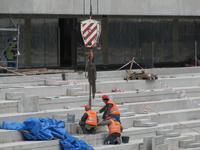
150, 7
107, 7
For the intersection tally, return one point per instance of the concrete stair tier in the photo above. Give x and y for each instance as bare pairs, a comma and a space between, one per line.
105, 86
143, 123
167, 133
132, 145
8, 106
120, 98
31, 145
162, 114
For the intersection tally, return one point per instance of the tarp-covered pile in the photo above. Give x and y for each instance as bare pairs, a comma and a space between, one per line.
47, 129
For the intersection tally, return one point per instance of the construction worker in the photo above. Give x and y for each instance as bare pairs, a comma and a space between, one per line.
11, 53
110, 109
91, 68
89, 121
115, 130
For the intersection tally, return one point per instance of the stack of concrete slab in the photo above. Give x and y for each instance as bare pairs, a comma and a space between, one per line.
156, 115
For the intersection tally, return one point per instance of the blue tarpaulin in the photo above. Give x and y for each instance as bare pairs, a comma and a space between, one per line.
47, 129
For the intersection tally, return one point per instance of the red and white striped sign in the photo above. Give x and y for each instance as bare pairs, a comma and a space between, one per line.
90, 31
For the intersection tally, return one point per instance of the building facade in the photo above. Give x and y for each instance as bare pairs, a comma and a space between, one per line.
156, 33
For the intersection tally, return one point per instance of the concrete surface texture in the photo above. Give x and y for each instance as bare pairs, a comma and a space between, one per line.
156, 115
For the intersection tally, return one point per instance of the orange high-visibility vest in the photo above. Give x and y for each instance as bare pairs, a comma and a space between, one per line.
114, 127
114, 109
92, 118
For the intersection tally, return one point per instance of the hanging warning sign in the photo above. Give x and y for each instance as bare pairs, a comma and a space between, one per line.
90, 31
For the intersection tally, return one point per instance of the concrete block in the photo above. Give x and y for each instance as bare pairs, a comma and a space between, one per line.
173, 142
127, 114
129, 146
72, 127
149, 124
20, 96
157, 140
152, 143
141, 146
139, 122
31, 104
189, 144
32, 145
161, 147
167, 133
8, 106
91, 139
14, 95
163, 131
70, 118
54, 82
185, 143
143, 123
7, 136
147, 143
73, 91
62, 117
193, 145
127, 122
172, 134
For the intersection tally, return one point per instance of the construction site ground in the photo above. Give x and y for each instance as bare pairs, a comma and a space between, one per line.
162, 114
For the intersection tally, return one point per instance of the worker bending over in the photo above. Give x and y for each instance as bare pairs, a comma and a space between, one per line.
89, 121
115, 130
110, 109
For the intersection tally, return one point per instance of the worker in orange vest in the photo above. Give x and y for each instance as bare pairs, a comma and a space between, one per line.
89, 121
110, 109
115, 130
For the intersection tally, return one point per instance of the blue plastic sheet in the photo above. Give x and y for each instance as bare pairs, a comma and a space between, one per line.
47, 129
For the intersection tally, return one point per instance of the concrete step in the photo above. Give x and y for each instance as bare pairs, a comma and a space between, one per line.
8, 136
54, 145
197, 148
144, 85
77, 77
97, 139
144, 123
8, 106
120, 98
138, 107
189, 91
127, 114
164, 117
173, 142
56, 102
31, 145
23, 116
180, 71
107, 86
127, 121
189, 144
167, 133
20, 85
132, 145
164, 105
41, 91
